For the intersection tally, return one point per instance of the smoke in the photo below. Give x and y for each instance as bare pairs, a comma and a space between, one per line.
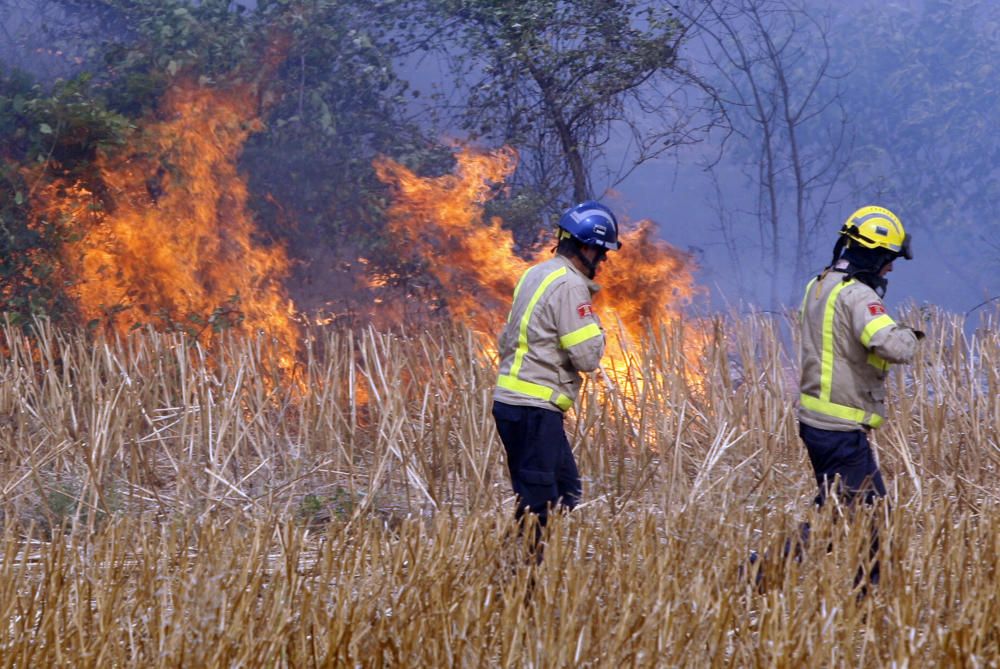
50, 40
956, 260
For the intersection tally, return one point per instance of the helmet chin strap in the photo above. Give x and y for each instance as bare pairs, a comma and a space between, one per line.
872, 279
591, 265
865, 275
567, 244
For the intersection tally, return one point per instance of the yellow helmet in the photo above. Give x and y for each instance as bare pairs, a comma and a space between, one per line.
877, 228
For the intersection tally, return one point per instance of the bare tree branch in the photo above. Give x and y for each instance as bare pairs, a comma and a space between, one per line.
771, 60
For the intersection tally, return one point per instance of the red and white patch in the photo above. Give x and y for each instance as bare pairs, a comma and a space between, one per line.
876, 308
584, 310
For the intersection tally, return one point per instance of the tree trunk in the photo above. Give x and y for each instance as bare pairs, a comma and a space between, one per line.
570, 147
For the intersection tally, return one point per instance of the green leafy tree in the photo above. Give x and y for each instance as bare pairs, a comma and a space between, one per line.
150, 43
126, 52
337, 103
327, 94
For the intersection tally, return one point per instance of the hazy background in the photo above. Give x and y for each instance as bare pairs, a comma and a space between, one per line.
916, 84
898, 106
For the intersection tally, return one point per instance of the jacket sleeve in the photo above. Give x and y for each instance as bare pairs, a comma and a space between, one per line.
878, 332
580, 331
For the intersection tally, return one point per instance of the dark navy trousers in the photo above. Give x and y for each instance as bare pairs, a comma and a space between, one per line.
542, 469
847, 454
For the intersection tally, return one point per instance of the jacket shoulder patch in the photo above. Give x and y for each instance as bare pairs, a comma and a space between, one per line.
584, 310
876, 308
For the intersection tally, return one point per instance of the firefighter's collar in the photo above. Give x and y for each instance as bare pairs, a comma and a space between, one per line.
592, 286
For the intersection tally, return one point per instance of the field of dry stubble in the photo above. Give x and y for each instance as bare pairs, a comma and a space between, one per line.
166, 506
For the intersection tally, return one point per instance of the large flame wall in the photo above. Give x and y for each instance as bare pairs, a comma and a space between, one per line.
475, 263
170, 239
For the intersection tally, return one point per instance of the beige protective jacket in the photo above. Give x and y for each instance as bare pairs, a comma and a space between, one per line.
551, 335
847, 343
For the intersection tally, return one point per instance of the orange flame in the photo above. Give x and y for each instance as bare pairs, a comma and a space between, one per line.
441, 217
475, 263
171, 236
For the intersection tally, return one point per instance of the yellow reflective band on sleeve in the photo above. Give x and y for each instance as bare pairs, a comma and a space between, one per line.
522, 338
878, 363
534, 390
826, 364
828, 408
580, 336
875, 325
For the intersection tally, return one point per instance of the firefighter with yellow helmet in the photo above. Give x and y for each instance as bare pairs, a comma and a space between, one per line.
848, 342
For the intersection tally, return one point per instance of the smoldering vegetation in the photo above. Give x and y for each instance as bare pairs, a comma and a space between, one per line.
165, 505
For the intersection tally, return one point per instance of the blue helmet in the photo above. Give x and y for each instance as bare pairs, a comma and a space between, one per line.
592, 224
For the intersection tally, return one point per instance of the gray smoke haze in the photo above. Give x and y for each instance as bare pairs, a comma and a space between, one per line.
45, 38
912, 148
890, 112
919, 98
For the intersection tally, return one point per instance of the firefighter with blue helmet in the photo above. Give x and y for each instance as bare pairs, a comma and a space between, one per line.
552, 335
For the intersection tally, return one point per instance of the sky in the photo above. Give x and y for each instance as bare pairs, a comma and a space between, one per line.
678, 195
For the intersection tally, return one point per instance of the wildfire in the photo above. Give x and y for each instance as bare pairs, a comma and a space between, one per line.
170, 239
441, 217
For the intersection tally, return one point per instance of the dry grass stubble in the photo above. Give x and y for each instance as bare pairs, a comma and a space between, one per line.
161, 508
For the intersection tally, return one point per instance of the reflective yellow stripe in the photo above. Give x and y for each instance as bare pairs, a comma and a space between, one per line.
510, 380
822, 404
517, 289
878, 363
580, 336
522, 338
840, 411
534, 390
826, 363
874, 326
